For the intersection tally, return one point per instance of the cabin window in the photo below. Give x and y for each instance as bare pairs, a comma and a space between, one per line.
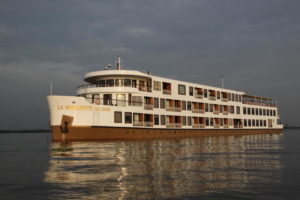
162, 103
232, 109
189, 105
163, 120
211, 107
183, 120
121, 101
207, 121
181, 89
157, 85
189, 121
137, 101
134, 83
205, 93
127, 82
128, 117
191, 91
206, 107
107, 99
183, 105
118, 117
156, 119
238, 110
118, 82
166, 88
156, 103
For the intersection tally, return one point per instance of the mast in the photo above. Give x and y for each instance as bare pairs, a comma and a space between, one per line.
119, 63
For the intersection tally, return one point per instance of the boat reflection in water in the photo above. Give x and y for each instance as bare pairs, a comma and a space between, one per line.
156, 169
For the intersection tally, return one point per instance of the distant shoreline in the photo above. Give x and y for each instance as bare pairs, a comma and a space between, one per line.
26, 131
292, 127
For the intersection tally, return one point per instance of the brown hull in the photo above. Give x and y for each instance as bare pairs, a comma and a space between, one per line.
118, 133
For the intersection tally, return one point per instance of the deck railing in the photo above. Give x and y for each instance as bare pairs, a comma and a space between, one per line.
138, 123
148, 106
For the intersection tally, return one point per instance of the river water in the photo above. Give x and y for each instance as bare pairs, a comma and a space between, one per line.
231, 167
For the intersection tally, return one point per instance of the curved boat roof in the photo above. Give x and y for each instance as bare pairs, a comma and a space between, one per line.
91, 76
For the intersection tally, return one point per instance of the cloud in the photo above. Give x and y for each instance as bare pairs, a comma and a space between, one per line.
255, 44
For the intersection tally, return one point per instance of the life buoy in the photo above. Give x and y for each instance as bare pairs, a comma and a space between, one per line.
97, 101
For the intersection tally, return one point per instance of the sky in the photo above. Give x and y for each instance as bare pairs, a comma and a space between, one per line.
254, 44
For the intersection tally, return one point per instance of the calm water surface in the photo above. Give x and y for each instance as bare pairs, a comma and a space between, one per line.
244, 167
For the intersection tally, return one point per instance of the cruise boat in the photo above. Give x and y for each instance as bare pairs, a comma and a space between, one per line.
126, 104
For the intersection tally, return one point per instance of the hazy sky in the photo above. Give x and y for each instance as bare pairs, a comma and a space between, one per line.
255, 44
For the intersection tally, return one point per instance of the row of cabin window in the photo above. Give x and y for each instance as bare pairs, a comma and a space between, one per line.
187, 120
182, 91
255, 123
259, 111
230, 96
187, 105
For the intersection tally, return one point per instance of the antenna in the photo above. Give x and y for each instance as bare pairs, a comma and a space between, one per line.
51, 88
119, 63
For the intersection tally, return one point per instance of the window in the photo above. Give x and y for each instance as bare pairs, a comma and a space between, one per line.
102, 83
118, 117
121, 101
244, 111
245, 122
118, 82
189, 105
211, 122
238, 110
127, 82
206, 107
156, 120
249, 122
232, 109
162, 103
207, 121
163, 120
211, 107
191, 91
218, 95
183, 105
236, 97
110, 82
181, 89
189, 121
183, 121
128, 117
156, 103
107, 99
157, 85
205, 93
137, 101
